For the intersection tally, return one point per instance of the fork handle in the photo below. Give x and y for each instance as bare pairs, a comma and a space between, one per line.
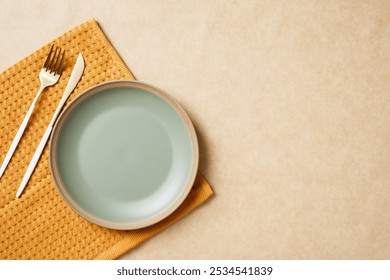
17, 138
20, 132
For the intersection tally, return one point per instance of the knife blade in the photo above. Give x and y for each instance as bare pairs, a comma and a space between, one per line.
77, 72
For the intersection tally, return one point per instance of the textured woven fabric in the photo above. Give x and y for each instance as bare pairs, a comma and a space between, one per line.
40, 225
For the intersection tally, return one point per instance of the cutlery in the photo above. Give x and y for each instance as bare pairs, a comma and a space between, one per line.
73, 80
48, 76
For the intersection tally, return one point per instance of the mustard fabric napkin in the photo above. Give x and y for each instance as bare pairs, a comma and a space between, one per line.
40, 225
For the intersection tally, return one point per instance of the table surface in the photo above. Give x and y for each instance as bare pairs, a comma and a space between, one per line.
291, 103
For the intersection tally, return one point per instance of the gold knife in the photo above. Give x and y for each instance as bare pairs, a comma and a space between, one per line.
73, 80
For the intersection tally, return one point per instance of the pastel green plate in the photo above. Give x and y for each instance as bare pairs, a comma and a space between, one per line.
124, 154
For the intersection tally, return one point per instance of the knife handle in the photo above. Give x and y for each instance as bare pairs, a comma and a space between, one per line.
34, 160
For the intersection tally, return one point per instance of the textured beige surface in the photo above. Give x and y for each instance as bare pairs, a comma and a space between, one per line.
291, 101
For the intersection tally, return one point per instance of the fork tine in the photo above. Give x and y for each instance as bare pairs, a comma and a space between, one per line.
54, 59
59, 69
46, 65
50, 62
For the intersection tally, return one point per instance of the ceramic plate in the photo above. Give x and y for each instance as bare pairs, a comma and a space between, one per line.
124, 154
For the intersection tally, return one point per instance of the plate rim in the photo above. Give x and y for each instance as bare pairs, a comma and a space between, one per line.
61, 188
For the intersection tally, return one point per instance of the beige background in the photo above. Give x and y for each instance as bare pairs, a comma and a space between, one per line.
291, 102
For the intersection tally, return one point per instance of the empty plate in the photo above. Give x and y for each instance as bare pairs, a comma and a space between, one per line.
124, 154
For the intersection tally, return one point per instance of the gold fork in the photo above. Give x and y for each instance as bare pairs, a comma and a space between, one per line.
48, 76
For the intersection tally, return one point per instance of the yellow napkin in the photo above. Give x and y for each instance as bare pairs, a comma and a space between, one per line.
40, 225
